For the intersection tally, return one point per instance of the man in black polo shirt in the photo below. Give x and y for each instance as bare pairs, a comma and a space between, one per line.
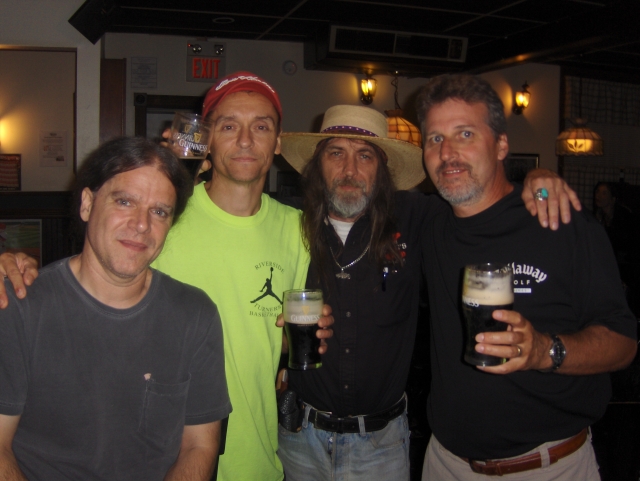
570, 327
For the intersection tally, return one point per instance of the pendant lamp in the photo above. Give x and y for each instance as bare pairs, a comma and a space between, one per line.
399, 127
579, 140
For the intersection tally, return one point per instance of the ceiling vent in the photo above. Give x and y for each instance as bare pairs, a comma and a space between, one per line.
382, 51
397, 44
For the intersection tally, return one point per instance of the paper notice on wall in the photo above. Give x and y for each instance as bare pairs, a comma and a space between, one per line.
53, 149
144, 73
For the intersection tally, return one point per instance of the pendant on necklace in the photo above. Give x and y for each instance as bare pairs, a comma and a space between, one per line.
343, 275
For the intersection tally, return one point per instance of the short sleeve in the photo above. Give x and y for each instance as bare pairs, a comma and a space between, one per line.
208, 398
13, 356
598, 284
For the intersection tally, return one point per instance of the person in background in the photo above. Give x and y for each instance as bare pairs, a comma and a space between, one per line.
623, 228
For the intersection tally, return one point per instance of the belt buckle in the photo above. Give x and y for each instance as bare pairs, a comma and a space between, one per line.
322, 417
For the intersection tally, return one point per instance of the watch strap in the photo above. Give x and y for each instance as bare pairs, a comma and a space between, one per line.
557, 352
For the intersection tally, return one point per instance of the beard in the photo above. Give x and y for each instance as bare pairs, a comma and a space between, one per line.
350, 204
459, 192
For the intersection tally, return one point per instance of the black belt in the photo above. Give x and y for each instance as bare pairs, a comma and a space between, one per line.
372, 422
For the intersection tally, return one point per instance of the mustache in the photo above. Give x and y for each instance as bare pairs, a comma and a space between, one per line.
349, 183
456, 164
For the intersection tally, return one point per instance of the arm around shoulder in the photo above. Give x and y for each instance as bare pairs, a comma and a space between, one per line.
198, 453
9, 469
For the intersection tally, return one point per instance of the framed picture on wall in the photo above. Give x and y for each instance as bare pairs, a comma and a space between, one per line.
10, 171
22, 235
516, 166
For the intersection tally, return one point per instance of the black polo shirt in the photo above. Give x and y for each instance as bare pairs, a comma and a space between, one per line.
367, 363
564, 281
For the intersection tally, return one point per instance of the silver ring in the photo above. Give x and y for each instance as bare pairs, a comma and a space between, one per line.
519, 351
542, 194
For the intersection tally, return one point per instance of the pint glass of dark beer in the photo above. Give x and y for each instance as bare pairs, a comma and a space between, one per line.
189, 140
485, 288
301, 310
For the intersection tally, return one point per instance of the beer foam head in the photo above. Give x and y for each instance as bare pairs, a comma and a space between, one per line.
303, 311
487, 290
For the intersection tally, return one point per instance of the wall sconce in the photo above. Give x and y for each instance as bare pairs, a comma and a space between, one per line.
368, 86
522, 99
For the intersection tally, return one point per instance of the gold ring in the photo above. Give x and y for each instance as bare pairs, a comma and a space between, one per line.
519, 351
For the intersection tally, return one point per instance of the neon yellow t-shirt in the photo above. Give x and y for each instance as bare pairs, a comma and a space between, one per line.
244, 264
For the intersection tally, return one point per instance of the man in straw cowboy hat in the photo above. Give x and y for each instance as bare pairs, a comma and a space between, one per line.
365, 239
528, 417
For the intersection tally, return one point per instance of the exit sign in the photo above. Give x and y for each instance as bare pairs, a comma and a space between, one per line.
205, 61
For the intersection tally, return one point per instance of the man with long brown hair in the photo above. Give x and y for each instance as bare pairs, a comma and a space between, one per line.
364, 238
365, 257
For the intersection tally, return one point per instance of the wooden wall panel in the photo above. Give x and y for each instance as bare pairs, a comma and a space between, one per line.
113, 78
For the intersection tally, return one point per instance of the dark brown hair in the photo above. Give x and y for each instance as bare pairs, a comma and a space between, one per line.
467, 88
122, 155
315, 211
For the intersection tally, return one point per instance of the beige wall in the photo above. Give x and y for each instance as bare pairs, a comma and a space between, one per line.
308, 93
44, 23
536, 129
305, 95
36, 95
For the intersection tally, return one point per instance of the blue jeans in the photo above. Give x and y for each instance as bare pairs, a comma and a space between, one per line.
316, 455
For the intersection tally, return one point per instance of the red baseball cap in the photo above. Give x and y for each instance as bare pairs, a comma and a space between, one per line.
240, 82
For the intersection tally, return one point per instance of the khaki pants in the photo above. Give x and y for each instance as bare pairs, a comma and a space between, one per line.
442, 465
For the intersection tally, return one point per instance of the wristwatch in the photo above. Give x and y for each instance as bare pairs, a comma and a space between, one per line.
557, 353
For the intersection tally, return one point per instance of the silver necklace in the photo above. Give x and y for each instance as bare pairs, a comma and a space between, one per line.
345, 275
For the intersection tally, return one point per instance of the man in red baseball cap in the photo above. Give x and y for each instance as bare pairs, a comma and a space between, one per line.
236, 82
240, 82
230, 239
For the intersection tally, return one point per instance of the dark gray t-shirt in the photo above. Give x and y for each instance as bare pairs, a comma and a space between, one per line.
104, 393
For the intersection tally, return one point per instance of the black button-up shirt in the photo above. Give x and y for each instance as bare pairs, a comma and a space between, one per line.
367, 363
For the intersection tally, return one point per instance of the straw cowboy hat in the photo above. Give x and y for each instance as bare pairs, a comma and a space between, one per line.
405, 159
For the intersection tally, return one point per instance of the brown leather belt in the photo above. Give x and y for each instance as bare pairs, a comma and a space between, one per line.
530, 461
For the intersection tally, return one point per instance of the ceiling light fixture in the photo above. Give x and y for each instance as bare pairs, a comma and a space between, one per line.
399, 127
579, 140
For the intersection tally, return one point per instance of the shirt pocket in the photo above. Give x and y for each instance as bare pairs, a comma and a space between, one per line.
162, 417
394, 305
